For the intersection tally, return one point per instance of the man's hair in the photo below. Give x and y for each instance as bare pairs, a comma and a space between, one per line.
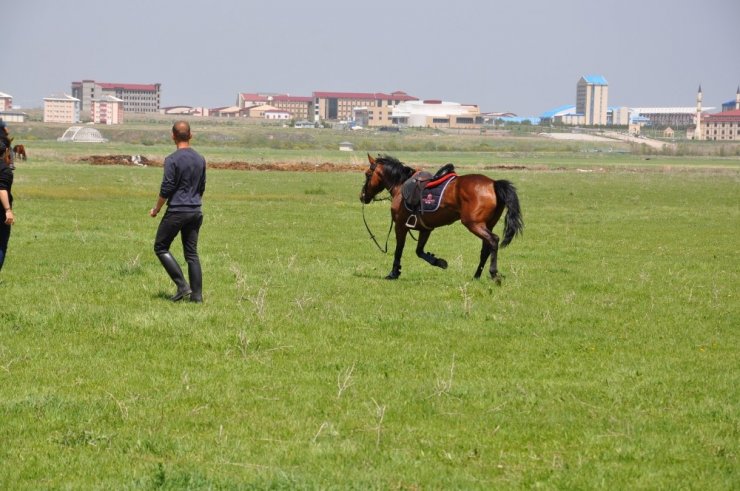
181, 131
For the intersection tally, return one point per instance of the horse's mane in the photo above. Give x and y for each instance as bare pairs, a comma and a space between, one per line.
394, 170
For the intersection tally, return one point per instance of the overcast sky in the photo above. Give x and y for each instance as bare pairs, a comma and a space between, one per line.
523, 56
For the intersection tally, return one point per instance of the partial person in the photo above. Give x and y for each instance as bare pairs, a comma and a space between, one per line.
6, 195
182, 188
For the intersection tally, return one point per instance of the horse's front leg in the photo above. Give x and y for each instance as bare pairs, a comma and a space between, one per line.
427, 256
400, 243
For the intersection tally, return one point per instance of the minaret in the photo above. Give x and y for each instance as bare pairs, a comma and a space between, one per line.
697, 132
737, 98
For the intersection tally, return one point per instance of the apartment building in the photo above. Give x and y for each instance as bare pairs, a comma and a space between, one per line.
592, 93
61, 108
107, 110
137, 98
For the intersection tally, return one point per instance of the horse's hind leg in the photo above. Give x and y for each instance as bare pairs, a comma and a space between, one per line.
428, 257
485, 253
489, 248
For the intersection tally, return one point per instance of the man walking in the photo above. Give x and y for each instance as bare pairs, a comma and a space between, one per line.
182, 188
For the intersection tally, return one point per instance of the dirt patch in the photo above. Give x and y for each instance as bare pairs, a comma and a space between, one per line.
287, 166
140, 160
135, 160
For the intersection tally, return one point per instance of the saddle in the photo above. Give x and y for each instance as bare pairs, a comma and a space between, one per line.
413, 189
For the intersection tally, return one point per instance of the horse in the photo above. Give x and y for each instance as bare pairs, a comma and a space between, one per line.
19, 151
476, 200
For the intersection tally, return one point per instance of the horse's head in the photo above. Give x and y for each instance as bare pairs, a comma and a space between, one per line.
373, 180
385, 172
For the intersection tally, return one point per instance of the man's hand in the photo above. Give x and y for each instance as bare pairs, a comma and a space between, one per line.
153, 212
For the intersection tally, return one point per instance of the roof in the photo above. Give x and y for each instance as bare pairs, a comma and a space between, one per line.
144, 87
61, 97
276, 98
4, 95
108, 98
723, 117
393, 96
558, 111
595, 79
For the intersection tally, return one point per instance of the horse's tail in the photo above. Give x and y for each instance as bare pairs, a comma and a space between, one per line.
513, 221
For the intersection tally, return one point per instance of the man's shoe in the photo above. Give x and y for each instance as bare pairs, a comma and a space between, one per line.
180, 295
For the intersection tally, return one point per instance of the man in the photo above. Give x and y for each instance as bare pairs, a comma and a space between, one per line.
6, 197
182, 188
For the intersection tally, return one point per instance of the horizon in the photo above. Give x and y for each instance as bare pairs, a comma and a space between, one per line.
525, 58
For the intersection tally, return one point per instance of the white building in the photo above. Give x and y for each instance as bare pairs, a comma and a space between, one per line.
62, 108
436, 114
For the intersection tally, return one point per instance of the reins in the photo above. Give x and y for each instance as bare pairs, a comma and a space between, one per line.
372, 236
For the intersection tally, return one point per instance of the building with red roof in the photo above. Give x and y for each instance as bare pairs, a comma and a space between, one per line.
721, 126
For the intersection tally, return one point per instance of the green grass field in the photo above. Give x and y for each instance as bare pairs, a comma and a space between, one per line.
607, 359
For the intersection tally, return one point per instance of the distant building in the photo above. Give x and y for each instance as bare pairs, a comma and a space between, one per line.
276, 114
436, 114
340, 106
7, 113
137, 98
618, 116
258, 111
592, 94
61, 108
225, 112
676, 117
724, 126
13, 116
107, 110
299, 107
6, 102
185, 111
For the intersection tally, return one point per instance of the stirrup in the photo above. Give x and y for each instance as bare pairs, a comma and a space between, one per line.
411, 221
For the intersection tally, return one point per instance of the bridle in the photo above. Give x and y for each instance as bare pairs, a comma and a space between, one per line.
368, 176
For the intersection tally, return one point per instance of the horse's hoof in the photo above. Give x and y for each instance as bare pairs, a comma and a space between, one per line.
441, 263
497, 279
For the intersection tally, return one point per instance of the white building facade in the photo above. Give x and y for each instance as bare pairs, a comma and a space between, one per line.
61, 108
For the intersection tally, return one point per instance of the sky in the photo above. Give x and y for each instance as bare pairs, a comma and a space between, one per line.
520, 56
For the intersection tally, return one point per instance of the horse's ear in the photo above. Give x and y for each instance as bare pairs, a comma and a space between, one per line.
370, 158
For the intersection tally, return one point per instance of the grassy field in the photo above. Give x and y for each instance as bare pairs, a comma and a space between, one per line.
604, 360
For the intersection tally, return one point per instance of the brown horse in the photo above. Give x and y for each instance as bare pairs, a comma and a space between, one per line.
474, 199
20, 152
